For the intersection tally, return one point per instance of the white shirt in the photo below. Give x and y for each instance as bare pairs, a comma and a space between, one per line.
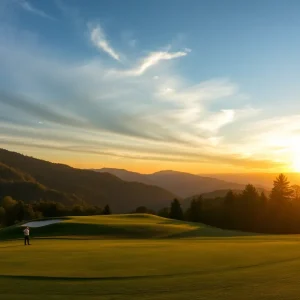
26, 232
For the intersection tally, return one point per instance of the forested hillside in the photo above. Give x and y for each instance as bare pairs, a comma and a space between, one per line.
27, 178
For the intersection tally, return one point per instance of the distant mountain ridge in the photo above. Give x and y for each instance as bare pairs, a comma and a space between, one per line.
179, 183
127, 175
86, 185
264, 180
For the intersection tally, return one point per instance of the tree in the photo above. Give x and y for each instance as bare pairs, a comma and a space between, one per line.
164, 212
8, 202
77, 210
106, 210
281, 192
195, 211
176, 211
296, 192
29, 213
2, 215
20, 211
281, 211
263, 199
250, 194
249, 208
229, 209
141, 210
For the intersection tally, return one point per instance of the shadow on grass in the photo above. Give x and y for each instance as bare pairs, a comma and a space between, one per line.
202, 230
153, 276
82, 229
13, 246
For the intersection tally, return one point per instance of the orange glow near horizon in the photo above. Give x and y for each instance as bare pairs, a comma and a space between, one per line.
87, 161
147, 167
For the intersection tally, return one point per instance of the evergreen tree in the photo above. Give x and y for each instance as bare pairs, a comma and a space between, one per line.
249, 208
263, 199
249, 195
106, 210
281, 210
195, 211
229, 209
295, 192
176, 211
229, 199
281, 192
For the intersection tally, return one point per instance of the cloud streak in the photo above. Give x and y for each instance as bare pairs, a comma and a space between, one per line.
99, 40
153, 59
30, 8
141, 154
128, 112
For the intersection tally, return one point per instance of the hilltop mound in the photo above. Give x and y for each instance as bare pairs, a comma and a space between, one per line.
119, 226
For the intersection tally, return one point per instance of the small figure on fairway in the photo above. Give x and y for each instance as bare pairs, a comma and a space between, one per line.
26, 236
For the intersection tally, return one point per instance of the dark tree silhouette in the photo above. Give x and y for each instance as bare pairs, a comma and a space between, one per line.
229, 207
2, 216
281, 192
106, 210
164, 212
194, 213
296, 192
176, 211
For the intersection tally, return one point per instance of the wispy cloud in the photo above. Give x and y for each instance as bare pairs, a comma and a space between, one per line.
99, 39
78, 107
216, 121
153, 59
30, 8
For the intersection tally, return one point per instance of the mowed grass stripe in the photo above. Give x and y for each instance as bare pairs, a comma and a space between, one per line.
98, 259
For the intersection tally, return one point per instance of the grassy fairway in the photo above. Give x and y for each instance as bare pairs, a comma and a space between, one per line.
251, 267
120, 226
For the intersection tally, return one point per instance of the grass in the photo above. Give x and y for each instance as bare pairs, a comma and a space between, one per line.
137, 226
209, 266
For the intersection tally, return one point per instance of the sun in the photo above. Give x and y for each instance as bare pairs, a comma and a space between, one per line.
296, 163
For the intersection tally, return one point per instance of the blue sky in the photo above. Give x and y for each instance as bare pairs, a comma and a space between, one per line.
199, 86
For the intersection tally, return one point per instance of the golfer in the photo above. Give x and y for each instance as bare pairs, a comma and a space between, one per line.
26, 236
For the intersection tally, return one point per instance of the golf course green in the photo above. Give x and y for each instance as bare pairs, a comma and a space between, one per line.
145, 257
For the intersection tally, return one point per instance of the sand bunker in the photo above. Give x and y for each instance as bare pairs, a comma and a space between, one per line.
42, 223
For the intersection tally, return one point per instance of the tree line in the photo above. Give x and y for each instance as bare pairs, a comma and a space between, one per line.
248, 210
13, 211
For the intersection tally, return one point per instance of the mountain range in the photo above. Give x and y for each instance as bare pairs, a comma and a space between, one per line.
39, 179
179, 183
30, 179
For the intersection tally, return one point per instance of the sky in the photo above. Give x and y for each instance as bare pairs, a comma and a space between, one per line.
195, 86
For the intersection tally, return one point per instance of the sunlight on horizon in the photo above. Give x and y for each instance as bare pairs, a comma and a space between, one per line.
296, 163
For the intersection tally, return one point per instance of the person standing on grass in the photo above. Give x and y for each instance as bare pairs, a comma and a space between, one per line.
26, 236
